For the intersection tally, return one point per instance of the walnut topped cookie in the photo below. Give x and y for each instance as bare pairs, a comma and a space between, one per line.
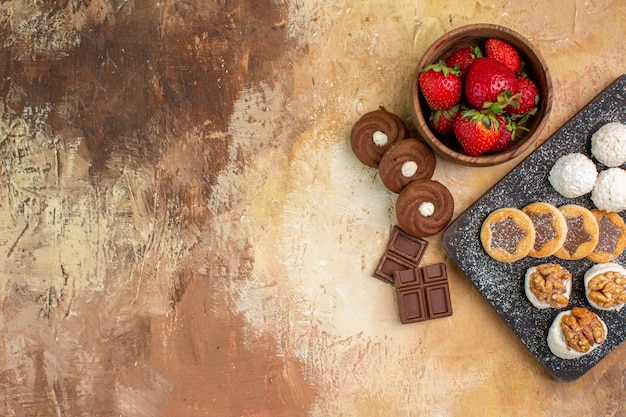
605, 286
550, 228
548, 286
507, 234
575, 333
582, 233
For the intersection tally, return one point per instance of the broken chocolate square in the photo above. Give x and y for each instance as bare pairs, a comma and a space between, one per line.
403, 252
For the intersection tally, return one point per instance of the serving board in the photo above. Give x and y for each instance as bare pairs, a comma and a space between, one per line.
502, 284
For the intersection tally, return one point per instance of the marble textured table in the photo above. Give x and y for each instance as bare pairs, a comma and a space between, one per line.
185, 231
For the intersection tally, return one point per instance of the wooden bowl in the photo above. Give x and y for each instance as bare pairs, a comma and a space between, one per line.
476, 35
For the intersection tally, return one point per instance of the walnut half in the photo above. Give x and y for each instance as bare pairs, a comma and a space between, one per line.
582, 329
549, 284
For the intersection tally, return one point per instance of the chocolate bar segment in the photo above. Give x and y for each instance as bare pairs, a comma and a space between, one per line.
411, 305
438, 300
407, 246
408, 277
389, 264
434, 273
403, 252
423, 293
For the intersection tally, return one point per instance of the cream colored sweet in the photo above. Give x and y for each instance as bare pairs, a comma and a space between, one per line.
409, 168
605, 286
380, 138
573, 175
566, 338
426, 209
608, 144
609, 191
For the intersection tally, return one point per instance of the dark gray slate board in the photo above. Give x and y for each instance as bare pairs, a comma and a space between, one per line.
501, 284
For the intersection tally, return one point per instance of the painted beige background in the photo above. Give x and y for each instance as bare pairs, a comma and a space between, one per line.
185, 231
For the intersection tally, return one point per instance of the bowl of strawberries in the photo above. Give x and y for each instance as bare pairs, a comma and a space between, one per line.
481, 95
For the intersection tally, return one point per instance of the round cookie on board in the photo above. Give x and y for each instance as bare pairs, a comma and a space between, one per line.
582, 233
611, 239
507, 234
567, 337
550, 228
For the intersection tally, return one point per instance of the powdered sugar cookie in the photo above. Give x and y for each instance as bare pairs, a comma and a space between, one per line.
550, 228
507, 234
582, 232
609, 191
608, 144
612, 237
573, 175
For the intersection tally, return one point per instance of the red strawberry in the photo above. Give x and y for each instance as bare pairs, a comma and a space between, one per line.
503, 52
440, 85
477, 132
504, 141
526, 95
442, 121
505, 138
508, 132
463, 57
486, 78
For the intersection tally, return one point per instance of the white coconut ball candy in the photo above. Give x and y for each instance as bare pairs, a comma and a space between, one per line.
609, 191
558, 344
573, 175
601, 269
532, 297
608, 144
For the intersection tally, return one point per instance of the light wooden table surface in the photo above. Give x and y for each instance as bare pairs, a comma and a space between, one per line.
186, 232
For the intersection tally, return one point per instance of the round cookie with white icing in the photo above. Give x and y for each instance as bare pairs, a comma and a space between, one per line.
550, 228
576, 333
608, 144
582, 233
611, 239
406, 161
424, 208
374, 133
573, 175
548, 286
605, 286
507, 234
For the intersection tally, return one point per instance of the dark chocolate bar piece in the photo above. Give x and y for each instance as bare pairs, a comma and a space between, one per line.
390, 263
438, 300
423, 293
403, 252
408, 277
407, 246
412, 306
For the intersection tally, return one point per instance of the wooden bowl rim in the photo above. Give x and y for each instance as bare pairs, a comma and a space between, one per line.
488, 30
